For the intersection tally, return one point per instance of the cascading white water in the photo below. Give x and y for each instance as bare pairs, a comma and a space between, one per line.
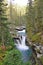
23, 41
22, 45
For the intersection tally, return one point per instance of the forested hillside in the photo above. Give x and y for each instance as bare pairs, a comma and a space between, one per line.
34, 15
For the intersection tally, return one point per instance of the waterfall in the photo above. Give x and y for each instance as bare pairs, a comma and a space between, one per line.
23, 41
22, 45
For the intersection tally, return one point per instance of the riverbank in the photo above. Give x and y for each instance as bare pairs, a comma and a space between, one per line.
37, 52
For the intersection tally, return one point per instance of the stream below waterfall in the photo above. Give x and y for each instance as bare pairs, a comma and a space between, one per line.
25, 50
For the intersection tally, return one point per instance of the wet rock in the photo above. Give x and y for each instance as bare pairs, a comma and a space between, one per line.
39, 55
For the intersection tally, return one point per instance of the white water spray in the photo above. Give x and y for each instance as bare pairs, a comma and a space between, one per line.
22, 45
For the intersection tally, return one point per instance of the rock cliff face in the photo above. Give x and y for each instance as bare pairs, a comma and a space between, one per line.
36, 48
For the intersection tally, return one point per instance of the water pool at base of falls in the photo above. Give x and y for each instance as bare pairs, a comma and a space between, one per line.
26, 52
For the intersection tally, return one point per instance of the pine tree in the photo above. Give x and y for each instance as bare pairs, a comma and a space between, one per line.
39, 19
30, 18
40, 15
4, 31
3, 20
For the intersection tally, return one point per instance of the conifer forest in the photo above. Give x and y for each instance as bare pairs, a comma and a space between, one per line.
21, 32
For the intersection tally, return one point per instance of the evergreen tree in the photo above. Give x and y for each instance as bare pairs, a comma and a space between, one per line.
4, 32
38, 5
40, 15
2, 19
30, 18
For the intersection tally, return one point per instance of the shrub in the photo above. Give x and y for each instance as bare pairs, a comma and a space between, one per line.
13, 58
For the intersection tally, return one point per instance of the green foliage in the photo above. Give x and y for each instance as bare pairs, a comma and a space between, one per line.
1, 63
36, 37
37, 64
5, 37
41, 59
30, 19
34, 17
8, 39
13, 58
28, 63
3, 19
